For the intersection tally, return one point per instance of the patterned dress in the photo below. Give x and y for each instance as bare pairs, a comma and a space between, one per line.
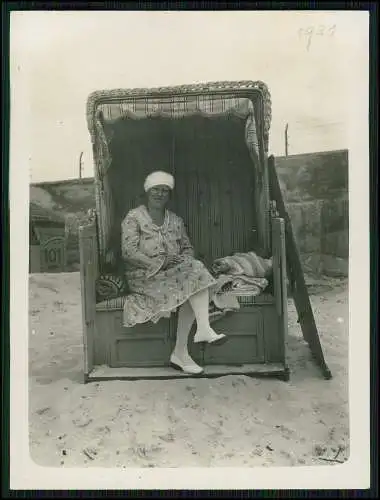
157, 291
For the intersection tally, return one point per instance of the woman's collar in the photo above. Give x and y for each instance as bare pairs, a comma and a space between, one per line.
166, 218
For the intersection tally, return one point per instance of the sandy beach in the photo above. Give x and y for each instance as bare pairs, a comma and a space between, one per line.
228, 421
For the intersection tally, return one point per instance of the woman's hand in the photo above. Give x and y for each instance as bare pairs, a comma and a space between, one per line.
172, 260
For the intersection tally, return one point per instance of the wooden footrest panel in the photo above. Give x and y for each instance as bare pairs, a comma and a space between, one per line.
102, 373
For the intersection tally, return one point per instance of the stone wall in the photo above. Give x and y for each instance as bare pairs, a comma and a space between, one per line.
315, 190
314, 186
72, 199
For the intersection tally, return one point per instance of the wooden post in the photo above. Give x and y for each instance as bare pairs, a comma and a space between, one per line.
286, 140
280, 285
80, 165
88, 274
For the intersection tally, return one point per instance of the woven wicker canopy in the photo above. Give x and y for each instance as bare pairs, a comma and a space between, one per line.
245, 88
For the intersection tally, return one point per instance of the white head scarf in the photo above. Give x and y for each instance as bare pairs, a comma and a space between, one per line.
158, 178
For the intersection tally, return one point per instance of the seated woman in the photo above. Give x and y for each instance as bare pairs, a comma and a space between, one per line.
162, 273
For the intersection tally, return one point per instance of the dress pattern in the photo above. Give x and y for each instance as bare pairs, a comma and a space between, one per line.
157, 290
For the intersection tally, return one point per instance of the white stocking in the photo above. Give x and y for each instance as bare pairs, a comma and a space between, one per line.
200, 305
185, 321
180, 356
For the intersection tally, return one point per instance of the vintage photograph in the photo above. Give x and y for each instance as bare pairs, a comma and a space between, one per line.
189, 242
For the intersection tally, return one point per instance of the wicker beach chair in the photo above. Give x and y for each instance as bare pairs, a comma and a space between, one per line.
214, 138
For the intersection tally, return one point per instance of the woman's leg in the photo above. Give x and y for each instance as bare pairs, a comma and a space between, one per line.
200, 305
180, 355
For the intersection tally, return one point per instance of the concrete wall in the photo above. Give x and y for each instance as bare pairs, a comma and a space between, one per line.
314, 186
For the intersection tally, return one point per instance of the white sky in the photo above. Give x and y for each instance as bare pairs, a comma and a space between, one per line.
58, 58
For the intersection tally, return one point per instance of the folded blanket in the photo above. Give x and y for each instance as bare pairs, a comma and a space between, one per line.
248, 264
227, 288
241, 274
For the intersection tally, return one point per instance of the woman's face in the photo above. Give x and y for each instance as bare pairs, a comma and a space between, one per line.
158, 196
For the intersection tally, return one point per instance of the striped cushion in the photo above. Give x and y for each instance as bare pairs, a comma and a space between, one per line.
114, 304
117, 303
263, 298
110, 287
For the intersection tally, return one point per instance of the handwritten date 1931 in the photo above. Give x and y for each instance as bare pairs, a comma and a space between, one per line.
309, 32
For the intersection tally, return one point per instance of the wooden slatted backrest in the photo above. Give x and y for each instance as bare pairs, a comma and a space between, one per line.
214, 186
